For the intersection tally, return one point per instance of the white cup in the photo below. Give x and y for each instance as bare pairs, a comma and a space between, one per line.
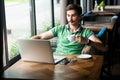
71, 37
102, 8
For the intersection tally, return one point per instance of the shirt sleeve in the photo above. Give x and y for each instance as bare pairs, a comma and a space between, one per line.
55, 31
91, 36
88, 32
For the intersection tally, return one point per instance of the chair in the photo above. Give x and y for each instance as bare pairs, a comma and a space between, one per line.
101, 32
113, 47
115, 42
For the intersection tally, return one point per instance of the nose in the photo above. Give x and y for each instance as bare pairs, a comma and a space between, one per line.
70, 18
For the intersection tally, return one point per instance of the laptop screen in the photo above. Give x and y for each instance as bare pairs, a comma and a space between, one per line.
36, 50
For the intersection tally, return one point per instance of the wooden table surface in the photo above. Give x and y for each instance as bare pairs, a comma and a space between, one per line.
97, 26
81, 69
109, 10
106, 12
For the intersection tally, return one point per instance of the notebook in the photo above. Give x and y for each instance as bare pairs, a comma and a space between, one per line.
38, 50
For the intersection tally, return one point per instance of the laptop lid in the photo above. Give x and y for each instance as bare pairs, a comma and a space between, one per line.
37, 50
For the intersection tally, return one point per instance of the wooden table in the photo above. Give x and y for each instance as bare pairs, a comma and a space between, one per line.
97, 26
81, 69
107, 14
109, 10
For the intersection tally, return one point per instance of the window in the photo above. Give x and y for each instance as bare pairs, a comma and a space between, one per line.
17, 24
57, 12
43, 15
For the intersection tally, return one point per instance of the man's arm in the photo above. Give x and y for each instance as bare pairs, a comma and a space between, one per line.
92, 41
97, 43
45, 35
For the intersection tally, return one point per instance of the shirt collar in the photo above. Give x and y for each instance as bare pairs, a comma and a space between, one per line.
78, 30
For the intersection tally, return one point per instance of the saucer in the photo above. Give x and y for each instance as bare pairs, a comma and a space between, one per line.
84, 56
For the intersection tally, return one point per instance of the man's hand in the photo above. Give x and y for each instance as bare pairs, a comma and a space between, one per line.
81, 39
36, 37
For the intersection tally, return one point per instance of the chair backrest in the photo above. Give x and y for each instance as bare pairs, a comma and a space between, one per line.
101, 32
114, 18
114, 43
116, 32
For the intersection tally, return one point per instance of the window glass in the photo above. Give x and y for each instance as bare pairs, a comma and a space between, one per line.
17, 23
43, 15
57, 12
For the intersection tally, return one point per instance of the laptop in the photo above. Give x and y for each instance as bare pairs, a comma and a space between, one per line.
38, 50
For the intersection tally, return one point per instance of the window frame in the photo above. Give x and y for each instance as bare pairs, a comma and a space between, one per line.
8, 62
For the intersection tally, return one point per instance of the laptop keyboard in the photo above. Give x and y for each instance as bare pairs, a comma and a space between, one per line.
57, 58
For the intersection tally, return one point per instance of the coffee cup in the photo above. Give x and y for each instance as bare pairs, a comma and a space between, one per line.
71, 37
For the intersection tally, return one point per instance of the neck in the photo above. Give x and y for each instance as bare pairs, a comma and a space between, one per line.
73, 28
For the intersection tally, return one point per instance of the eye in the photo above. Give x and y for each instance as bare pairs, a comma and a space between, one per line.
68, 15
74, 15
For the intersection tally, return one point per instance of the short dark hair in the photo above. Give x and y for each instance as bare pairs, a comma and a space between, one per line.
74, 7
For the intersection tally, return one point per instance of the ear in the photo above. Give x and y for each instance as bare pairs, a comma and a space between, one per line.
81, 17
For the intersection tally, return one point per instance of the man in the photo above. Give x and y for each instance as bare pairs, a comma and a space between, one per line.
83, 36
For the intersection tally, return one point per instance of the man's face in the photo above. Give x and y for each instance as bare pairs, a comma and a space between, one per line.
72, 17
